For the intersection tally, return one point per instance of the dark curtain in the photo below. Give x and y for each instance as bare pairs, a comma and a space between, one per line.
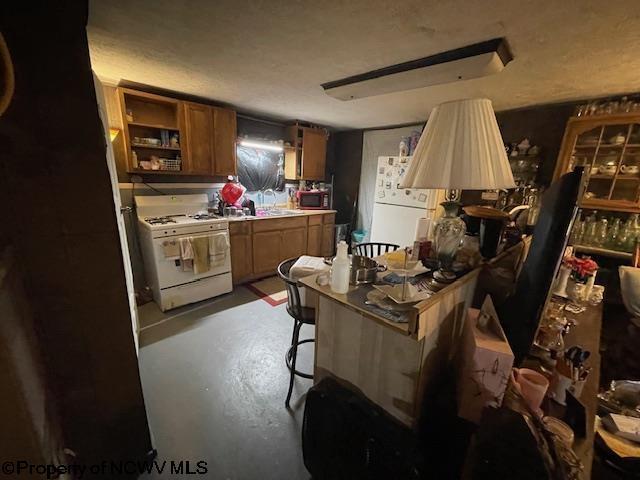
260, 169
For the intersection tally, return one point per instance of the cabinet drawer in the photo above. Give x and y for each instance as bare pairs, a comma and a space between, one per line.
329, 218
239, 227
315, 219
279, 224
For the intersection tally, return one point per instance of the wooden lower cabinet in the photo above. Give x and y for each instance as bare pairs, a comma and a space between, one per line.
267, 248
328, 240
258, 246
241, 256
314, 240
294, 243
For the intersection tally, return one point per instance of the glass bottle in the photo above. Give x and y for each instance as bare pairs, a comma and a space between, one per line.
627, 236
623, 237
634, 232
614, 232
577, 232
590, 229
602, 229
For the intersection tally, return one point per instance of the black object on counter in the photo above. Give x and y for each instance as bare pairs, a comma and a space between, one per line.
250, 204
520, 313
490, 235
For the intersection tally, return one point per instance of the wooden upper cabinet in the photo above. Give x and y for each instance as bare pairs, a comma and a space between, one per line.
314, 153
152, 131
199, 145
225, 133
305, 158
608, 147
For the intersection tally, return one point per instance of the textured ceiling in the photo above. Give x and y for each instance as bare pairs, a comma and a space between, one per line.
269, 57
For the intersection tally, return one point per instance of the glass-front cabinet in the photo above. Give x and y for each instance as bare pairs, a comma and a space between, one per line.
608, 147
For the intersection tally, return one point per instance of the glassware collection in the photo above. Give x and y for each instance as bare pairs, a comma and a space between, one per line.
601, 231
608, 107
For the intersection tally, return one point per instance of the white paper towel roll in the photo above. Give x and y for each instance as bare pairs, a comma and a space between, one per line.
423, 229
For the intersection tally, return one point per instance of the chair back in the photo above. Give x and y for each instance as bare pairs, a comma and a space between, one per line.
374, 249
294, 305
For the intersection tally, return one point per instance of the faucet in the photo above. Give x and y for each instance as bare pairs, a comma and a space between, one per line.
270, 190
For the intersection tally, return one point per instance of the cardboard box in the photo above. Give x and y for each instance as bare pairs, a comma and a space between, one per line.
486, 361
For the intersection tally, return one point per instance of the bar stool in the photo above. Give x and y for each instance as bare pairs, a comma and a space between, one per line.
374, 249
301, 315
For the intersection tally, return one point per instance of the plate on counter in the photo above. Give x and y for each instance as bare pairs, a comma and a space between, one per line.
380, 299
413, 293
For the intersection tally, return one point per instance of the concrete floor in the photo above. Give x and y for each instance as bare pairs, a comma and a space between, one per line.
215, 382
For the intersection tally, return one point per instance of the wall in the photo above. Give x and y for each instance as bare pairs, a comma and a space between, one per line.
544, 126
376, 143
342, 148
62, 224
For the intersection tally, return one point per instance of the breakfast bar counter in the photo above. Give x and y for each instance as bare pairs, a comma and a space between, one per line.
394, 364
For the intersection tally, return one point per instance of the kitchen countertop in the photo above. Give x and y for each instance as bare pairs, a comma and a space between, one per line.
585, 333
413, 325
302, 213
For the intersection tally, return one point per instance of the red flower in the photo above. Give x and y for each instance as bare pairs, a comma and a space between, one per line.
583, 267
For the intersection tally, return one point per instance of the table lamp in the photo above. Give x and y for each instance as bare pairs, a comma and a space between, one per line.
460, 149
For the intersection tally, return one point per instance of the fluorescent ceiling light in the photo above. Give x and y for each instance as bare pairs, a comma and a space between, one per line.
472, 61
262, 145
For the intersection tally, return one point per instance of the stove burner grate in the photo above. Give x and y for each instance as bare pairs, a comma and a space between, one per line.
159, 220
203, 216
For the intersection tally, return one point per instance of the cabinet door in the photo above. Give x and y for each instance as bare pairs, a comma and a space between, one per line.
314, 241
294, 242
314, 153
241, 257
328, 240
266, 251
224, 141
199, 127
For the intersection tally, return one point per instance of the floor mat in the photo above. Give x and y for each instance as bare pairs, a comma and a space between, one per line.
272, 290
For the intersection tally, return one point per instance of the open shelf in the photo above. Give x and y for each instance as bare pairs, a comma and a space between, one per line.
151, 125
155, 147
141, 171
605, 252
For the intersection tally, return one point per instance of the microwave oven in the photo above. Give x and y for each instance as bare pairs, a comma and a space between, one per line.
313, 200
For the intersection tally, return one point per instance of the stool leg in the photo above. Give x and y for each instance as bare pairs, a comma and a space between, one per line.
293, 334
296, 335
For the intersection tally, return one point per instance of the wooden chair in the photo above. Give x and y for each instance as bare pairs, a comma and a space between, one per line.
374, 249
301, 315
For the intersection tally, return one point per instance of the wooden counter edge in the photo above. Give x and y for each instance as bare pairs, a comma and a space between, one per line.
325, 291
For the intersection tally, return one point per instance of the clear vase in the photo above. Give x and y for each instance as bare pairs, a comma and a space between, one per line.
448, 233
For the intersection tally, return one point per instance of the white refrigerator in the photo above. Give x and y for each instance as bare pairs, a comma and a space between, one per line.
397, 212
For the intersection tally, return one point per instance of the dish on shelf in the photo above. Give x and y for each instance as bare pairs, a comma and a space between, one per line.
147, 141
617, 139
629, 169
588, 141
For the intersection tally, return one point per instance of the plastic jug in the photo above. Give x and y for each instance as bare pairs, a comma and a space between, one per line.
340, 270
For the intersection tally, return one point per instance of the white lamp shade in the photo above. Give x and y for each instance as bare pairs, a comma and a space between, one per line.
461, 148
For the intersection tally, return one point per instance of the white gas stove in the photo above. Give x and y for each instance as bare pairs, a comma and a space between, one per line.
165, 220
